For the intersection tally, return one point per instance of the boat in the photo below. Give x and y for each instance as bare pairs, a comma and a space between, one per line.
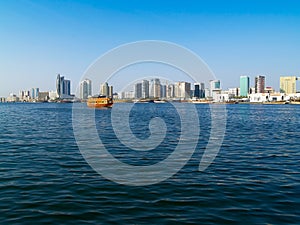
100, 102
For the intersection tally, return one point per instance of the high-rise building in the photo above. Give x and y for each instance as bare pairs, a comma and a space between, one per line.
34, 94
59, 80
63, 87
199, 90
244, 86
260, 84
170, 91
104, 89
215, 88
145, 89
288, 84
156, 88
111, 91
66, 87
163, 91
182, 90
85, 89
138, 90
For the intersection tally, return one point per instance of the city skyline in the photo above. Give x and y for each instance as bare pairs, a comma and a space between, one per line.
43, 38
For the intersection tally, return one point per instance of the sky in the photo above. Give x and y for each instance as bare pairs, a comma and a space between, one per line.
39, 39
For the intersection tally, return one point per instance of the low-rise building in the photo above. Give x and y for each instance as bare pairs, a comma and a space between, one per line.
268, 97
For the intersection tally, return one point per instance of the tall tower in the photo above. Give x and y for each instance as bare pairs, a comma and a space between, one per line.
260, 84
145, 89
85, 89
104, 89
197, 90
66, 90
59, 85
138, 90
157, 88
244, 86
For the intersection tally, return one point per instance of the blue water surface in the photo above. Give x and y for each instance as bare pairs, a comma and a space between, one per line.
255, 178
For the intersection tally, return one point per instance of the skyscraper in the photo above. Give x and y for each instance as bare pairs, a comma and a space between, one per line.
260, 84
145, 89
138, 90
170, 91
182, 90
163, 90
85, 89
59, 80
156, 88
63, 87
244, 86
34, 93
66, 87
199, 90
288, 84
104, 89
111, 91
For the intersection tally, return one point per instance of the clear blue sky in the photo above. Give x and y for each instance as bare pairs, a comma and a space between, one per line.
42, 38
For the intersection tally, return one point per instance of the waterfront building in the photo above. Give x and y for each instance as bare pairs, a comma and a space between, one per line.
206, 92
244, 86
24, 95
52, 95
234, 92
127, 95
110, 91
269, 90
288, 84
170, 91
267, 97
199, 90
59, 81
156, 88
260, 84
66, 87
104, 89
222, 97
43, 96
215, 88
182, 90
85, 89
34, 93
163, 90
145, 89
63, 87
12, 98
2, 100
138, 90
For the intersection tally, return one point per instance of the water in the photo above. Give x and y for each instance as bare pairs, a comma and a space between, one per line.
254, 179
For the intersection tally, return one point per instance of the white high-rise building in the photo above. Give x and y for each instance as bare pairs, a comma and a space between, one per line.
182, 90
104, 89
215, 88
85, 89
170, 91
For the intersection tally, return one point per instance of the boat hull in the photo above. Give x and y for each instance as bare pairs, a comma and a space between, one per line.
100, 102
